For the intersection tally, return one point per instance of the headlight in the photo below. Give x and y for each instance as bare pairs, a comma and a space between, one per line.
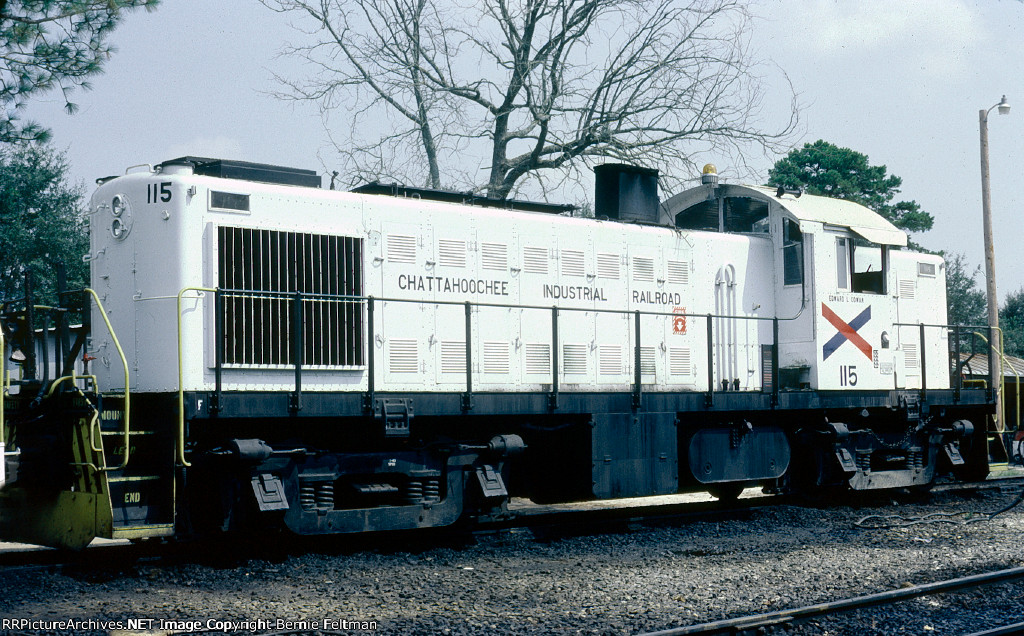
118, 205
118, 229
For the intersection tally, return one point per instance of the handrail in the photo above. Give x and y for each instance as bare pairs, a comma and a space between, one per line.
461, 303
126, 432
181, 377
74, 377
467, 397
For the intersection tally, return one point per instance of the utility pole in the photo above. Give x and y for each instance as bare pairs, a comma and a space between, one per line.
995, 346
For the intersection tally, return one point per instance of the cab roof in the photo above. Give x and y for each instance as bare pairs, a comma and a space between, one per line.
835, 212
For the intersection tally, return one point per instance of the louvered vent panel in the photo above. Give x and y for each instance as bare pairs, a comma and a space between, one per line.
609, 359
572, 263
537, 358
494, 256
451, 253
907, 289
401, 248
608, 266
260, 271
643, 269
679, 361
678, 272
453, 356
535, 260
910, 355
574, 359
496, 358
403, 356
647, 361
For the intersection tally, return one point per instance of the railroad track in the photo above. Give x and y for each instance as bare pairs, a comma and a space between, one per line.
548, 520
762, 623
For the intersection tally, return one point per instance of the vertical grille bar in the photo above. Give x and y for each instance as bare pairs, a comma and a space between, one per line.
263, 270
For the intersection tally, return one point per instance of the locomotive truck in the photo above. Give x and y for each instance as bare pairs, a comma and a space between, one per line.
257, 352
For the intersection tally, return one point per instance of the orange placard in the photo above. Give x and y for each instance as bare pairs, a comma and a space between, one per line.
679, 322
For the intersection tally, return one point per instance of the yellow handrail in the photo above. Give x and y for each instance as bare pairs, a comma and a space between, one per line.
181, 379
74, 377
126, 433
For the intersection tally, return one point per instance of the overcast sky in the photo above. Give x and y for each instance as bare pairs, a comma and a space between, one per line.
899, 81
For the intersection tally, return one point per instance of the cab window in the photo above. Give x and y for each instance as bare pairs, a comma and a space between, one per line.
736, 214
868, 264
842, 263
792, 253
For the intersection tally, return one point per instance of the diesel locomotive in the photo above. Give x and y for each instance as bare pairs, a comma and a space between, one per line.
258, 352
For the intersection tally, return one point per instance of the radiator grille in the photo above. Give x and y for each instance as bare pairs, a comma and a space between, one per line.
910, 355
574, 359
647, 361
907, 289
679, 360
643, 269
260, 270
678, 272
401, 248
403, 355
608, 266
537, 358
451, 253
535, 260
609, 359
494, 256
496, 357
453, 356
572, 263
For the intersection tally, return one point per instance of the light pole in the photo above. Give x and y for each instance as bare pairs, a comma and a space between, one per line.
995, 363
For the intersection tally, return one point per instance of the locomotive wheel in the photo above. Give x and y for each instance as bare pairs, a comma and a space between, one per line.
729, 491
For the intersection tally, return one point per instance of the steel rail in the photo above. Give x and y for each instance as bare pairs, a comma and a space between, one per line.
750, 624
1005, 630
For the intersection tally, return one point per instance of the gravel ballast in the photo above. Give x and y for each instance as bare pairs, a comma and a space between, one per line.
615, 580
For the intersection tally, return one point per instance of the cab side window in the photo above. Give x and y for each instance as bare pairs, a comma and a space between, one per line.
792, 253
868, 265
842, 263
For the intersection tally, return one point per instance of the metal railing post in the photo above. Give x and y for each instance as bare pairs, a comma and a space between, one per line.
467, 398
218, 351
370, 346
298, 344
709, 398
553, 396
775, 361
924, 367
637, 371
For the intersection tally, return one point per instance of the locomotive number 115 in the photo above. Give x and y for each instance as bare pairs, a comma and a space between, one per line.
158, 192
848, 375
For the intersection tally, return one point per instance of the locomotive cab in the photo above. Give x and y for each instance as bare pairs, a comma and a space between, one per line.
847, 298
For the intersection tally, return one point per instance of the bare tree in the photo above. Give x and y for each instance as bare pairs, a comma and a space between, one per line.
534, 89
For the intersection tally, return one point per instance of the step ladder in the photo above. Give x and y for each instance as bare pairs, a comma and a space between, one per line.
142, 492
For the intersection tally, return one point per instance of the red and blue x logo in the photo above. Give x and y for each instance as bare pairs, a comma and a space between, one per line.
847, 331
